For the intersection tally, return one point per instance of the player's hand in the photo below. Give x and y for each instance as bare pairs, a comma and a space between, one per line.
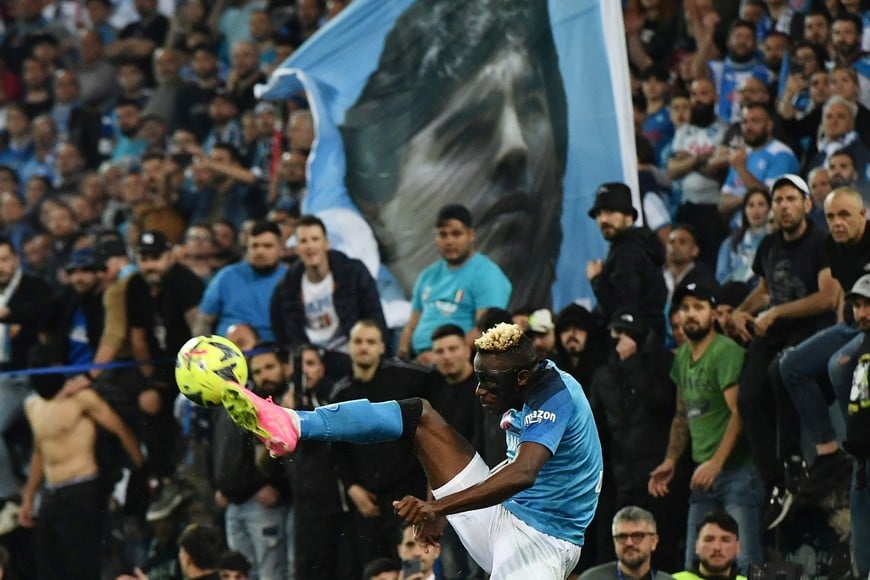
660, 478
429, 532
414, 511
221, 500
705, 475
364, 500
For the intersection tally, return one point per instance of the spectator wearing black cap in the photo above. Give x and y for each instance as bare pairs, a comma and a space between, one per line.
796, 296
633, 398
161, 307
706, 370
579, 344
454, 290
630, 276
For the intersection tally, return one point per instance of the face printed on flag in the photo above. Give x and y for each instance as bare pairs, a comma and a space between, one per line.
493, 139
517, 109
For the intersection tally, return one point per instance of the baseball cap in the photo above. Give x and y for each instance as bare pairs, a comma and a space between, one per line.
153, 243
541, 321
794, 180
695, 290
629, 322
861, 287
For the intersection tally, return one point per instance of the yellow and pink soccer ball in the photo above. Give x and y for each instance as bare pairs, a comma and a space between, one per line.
204, 364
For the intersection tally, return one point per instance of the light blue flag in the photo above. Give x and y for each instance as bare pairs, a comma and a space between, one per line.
517, 109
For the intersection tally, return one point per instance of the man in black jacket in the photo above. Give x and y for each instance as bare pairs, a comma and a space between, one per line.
633, 397
631, 275
323, 295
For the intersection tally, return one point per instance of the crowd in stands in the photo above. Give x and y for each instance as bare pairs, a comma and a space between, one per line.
147, 196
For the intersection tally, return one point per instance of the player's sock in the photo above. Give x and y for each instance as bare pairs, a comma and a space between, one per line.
361, 421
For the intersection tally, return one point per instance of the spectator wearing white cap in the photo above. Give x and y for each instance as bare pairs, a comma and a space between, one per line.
542, 331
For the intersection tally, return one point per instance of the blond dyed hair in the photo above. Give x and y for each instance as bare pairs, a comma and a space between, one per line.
500, 338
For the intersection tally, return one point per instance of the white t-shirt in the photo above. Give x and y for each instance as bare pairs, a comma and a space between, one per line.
321, 320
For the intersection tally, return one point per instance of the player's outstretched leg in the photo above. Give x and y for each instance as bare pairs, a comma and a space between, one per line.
440, 449
279, 428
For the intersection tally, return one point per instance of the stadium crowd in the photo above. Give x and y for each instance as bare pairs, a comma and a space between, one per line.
147, 197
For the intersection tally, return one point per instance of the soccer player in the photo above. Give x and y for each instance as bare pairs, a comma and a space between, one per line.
539, 501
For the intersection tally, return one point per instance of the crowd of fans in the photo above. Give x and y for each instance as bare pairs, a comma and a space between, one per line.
147, 196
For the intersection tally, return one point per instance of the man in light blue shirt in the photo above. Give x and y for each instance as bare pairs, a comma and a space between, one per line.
242, 292
457, 289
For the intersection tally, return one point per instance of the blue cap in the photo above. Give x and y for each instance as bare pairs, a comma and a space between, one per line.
83, 259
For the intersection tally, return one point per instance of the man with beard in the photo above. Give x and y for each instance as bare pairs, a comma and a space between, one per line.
717, 549
698, 170
128, 145
635, 538
242, 292
492, 136
756, 160
846, 39
244, 74
740, 62
706, 370
579, 344
630, 276
256, 503
796, 297
161, 307
458, 289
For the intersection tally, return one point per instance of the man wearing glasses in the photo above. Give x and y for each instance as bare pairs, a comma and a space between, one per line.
634, 541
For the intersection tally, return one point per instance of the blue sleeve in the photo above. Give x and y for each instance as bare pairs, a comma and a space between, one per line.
492, 289
546, 424
212, 301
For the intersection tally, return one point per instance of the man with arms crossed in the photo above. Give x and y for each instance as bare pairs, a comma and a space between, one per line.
526, 519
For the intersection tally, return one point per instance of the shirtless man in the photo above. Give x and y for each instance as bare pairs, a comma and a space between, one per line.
68, 528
